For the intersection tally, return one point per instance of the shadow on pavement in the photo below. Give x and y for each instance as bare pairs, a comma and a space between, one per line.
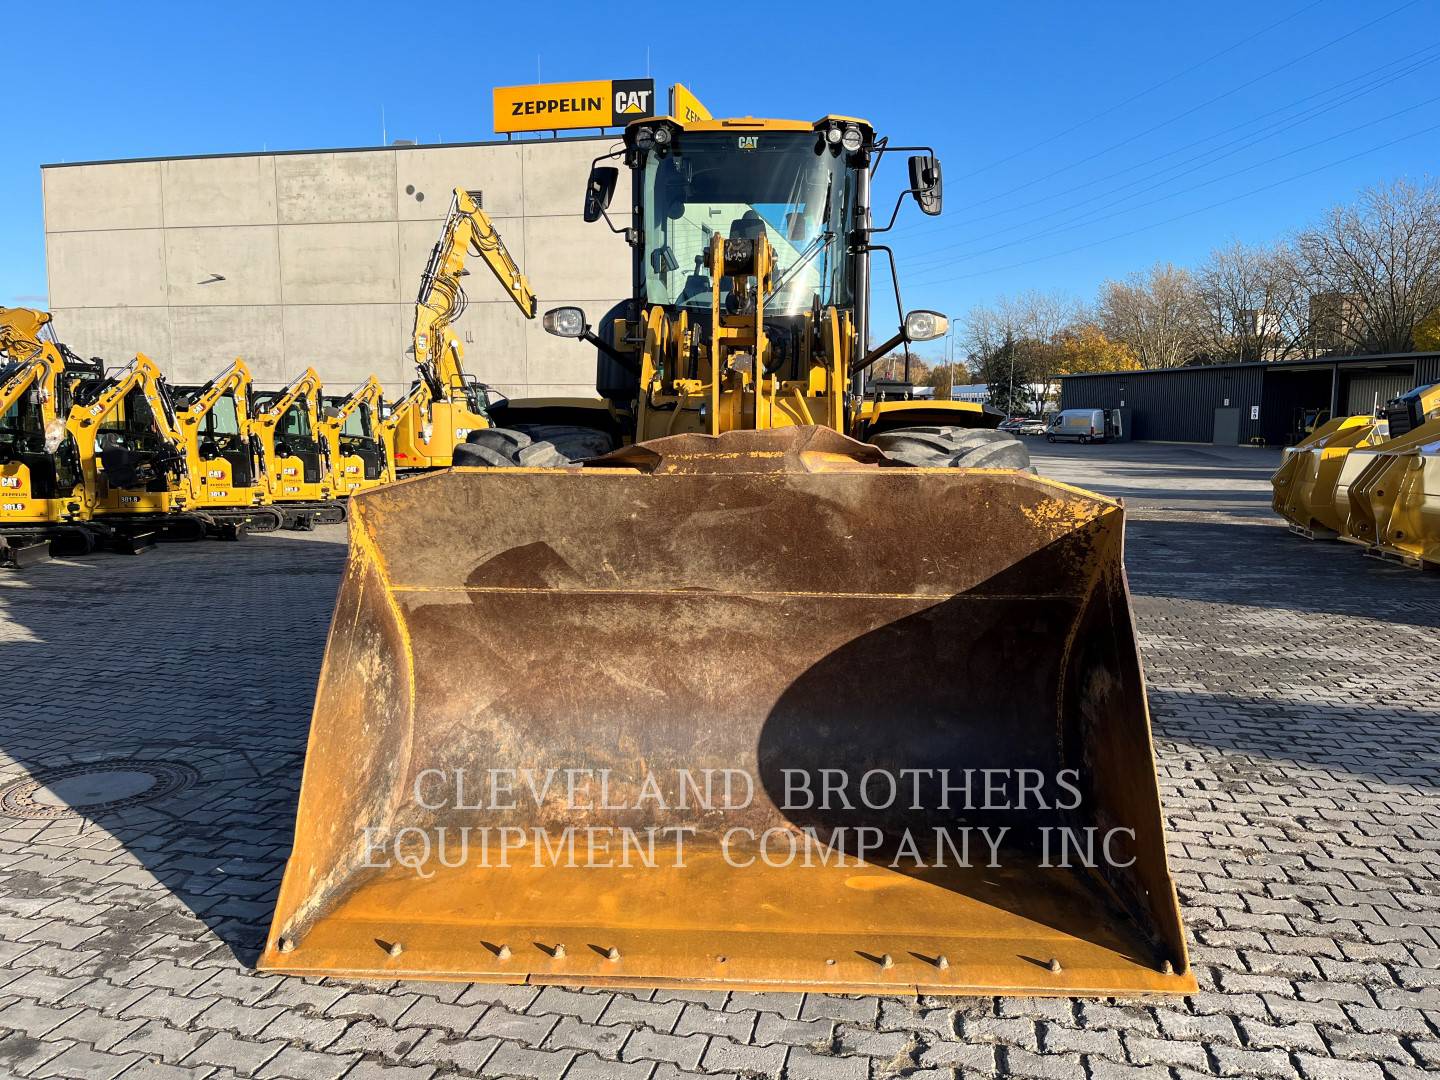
204, 655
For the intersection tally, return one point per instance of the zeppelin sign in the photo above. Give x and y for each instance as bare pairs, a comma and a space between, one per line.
554, 106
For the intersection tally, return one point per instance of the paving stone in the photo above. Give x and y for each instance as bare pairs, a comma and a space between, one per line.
573, 1034
511, 1059
295, 1063
803, 1064
646, 1045
82, 1063
374, 1070
659, 1016
590, 1067
727, 1055
226, 1051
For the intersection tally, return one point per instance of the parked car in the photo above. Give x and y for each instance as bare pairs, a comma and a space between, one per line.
1032, 426
1012, 423
1086, 425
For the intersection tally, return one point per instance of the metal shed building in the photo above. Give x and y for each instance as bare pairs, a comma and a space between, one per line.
1237, 404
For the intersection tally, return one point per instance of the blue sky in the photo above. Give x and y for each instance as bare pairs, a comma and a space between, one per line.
1080, 140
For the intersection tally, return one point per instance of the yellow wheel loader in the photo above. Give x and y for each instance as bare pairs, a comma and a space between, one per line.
225, 463
44, 504
362, 444
746, 702
1306, 486
446, 404
299, 468
1392, 489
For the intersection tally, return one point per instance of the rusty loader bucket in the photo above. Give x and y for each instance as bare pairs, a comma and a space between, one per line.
756, 711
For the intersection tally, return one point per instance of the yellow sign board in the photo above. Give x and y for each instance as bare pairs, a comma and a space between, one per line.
597, 103
685, 106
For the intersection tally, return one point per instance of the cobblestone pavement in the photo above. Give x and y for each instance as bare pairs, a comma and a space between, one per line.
1294, 693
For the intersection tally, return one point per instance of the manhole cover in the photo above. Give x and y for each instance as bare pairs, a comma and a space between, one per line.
94, 788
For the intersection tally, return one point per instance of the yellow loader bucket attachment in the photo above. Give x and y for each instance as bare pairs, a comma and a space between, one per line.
718, 713
1305, 484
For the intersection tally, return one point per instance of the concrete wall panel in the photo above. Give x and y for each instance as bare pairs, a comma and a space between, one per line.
568, 256
555, 175
245, 258
321, 256
125, 268
219, 191
205, 339
125, 195
492, 336
436, 172
340, 264
96, 332
336, 187
346, 342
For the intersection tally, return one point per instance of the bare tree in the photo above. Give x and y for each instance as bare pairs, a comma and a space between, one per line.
1156, 313
1246, 304
1012, 347
1373, 267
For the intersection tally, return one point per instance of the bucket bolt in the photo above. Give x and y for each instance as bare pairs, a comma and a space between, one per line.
558, 952
942, 962
286, 944
503, 953
612, 953
1055, 967
887, 961
1167, 968
394, 948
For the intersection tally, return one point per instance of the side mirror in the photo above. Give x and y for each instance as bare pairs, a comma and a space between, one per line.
565, 321
925, 183
599, 190
925, 325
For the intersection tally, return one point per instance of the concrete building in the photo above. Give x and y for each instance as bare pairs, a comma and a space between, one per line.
314, 258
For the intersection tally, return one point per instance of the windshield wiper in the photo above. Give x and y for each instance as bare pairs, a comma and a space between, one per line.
817, 245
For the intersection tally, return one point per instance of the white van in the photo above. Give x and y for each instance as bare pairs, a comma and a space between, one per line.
1087, 425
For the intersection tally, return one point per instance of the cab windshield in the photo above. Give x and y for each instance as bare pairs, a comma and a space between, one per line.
738, 185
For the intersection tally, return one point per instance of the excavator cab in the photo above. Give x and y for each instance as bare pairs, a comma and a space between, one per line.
44, 502
361, 444
226, 462
300, 469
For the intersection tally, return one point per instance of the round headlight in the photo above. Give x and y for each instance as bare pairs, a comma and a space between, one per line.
645, 138
662, 136
852, 140
832, 135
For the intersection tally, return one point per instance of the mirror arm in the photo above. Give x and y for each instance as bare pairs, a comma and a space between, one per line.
908, 193
624, 359
900, 338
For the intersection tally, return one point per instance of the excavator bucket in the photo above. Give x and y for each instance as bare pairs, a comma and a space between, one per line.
757, 711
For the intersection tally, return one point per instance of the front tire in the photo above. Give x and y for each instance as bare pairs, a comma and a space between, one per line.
544, 446
953, 447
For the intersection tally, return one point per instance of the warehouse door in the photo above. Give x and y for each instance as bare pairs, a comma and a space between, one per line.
1227, 427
